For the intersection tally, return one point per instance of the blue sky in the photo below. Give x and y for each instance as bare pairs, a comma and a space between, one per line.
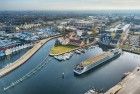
68, 4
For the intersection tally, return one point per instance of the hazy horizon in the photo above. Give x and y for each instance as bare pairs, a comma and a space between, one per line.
69, 5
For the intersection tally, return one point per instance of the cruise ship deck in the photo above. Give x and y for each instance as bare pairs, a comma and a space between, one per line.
95, 59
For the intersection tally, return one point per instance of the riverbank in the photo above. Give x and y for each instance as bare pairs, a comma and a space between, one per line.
131, 51
25, 57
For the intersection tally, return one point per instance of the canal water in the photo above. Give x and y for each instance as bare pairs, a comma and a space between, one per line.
49, 79
12, 57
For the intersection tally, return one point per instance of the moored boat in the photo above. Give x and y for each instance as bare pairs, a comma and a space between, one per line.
95, 61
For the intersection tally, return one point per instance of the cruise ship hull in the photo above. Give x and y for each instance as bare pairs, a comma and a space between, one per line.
97, 64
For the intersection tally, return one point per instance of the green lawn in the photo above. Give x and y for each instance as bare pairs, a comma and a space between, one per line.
59, 49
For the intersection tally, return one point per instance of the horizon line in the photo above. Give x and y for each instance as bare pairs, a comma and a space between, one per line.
72, 10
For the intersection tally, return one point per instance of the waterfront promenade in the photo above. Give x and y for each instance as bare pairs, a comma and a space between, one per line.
129, 85
25, 57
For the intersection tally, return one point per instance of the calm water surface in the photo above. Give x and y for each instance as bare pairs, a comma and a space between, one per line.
49, 80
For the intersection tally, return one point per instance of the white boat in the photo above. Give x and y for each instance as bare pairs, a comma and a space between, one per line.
66, 56
91, 91
58, 57
78, 52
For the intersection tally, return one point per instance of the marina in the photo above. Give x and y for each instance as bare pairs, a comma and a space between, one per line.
68, 55
17, 48
79, 50
65, 56
24, 58
46, 76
